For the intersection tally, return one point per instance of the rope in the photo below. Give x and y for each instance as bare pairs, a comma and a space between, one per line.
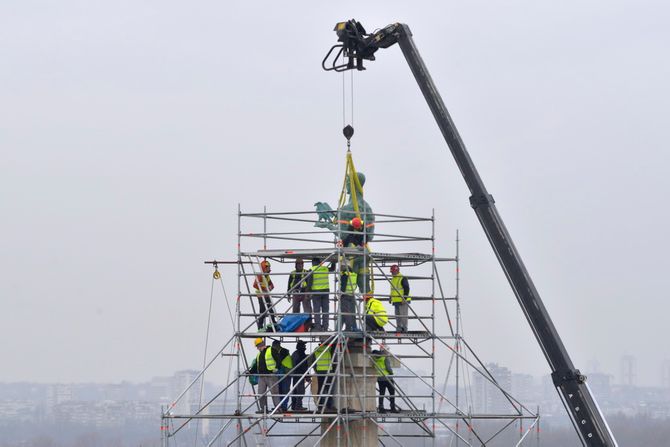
344, 98
352, 97
215, 276
232, 325
344, 120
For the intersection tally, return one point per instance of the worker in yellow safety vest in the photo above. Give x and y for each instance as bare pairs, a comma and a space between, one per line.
285, 366
348, 286
375, 314
266, 368
323, 356
400, 298
384, 379
318, 284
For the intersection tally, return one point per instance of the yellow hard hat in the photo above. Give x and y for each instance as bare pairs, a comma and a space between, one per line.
259, 341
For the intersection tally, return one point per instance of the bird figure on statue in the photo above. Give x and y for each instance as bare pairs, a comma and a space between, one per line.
325, 213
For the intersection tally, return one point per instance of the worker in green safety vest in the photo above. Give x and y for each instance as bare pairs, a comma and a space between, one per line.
348, 286
400, 298
322, 358
375, 314
266, 368
384, 379
318, 284
284, 367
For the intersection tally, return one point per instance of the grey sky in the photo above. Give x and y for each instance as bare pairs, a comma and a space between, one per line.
129, 131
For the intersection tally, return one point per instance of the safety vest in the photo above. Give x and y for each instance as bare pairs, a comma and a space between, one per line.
323, 363
380, 365
375, 308
270, 363
397, 290
263, 283
287, 362
320, 278
352, 278
297, 277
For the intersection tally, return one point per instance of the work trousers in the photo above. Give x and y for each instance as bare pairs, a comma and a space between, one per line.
306, 301
386, 384
321, 306
284, 386
265, 384
326, 383
348, 306
298, 385
401, 311
265, 305
371, 324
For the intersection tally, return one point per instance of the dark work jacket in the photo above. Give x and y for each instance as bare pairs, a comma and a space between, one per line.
297, 357
405, 286
356, 238
294, 279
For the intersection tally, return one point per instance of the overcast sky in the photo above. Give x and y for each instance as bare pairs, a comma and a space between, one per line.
130, 131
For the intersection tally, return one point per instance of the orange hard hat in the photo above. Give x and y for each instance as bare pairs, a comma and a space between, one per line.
259, 341
265, 265
357, 223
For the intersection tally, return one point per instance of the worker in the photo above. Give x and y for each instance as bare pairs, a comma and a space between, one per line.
375, 314
263, 286
318, 284
299, 376
400, 298
297, 288
384, 379
323, 356
356, 235
284, 379
348, 285
266, 368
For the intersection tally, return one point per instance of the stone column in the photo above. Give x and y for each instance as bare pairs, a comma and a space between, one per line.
360, 392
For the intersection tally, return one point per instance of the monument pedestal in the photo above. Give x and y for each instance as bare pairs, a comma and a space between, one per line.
355, 393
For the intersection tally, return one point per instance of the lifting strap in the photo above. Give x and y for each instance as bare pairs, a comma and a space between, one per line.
355, 187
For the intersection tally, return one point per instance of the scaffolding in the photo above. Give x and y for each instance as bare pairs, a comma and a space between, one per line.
432, 361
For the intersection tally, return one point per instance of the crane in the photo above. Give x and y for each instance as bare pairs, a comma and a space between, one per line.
356, 46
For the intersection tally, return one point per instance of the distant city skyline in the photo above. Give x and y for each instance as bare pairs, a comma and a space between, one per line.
106, 406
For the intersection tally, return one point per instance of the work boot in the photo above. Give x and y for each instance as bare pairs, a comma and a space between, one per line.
395, 409
381, 410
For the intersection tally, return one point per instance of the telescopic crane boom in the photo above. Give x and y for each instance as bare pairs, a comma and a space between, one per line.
356, 46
